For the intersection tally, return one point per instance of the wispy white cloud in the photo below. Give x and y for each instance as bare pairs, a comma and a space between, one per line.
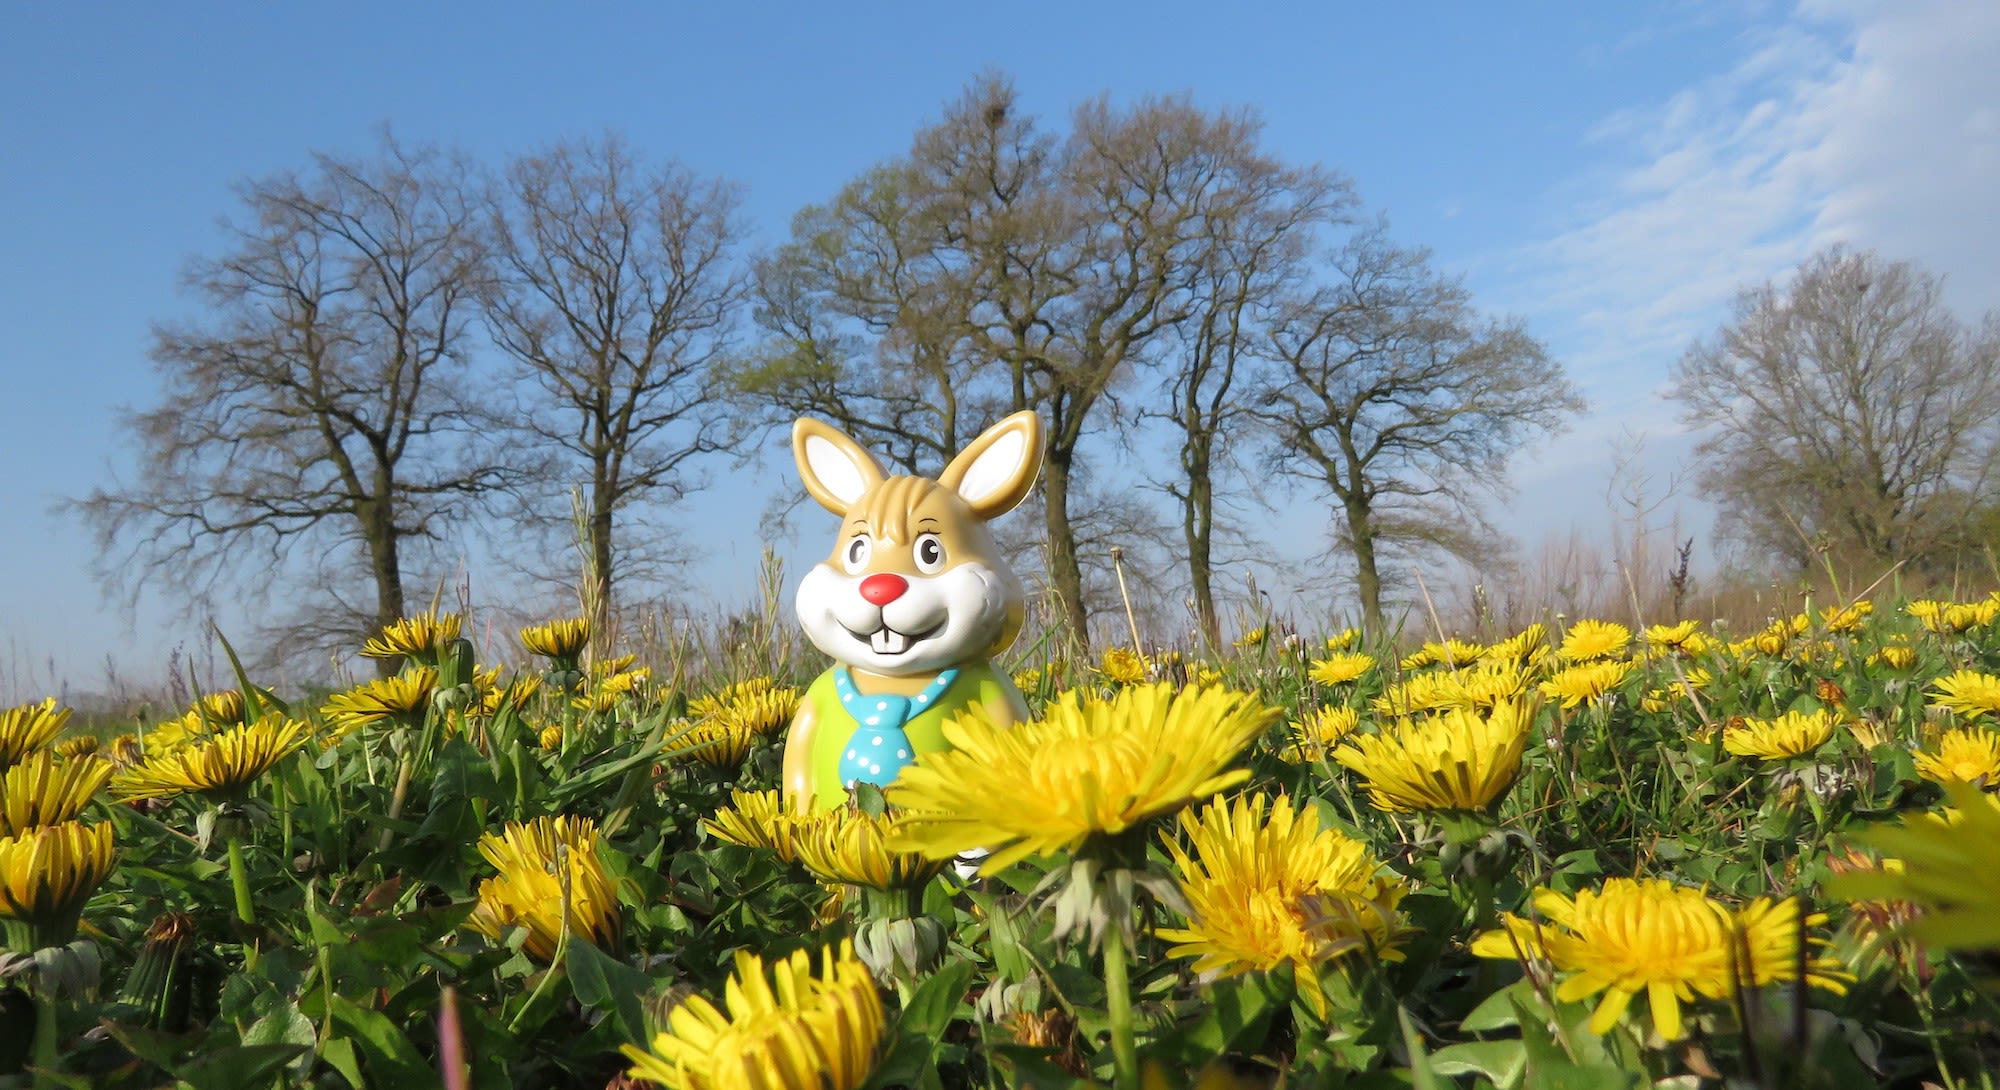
1869, 122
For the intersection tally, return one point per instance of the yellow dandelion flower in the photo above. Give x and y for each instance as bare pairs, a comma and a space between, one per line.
171, 734
1963, 755
755, 819
43, 790
1341, 667
28, 727
712, 704
1267, 887
550, 737
1847, 618
765, 714
1694, 681
1255, 637
1576, 685
1087, 767
1934, 616
720, 744
597, 702
1765, 937
1343, 640
792, 1029
1817, 652
1123, 666
561, 640
1679, 690
1457, 761
1318, 732
1650, 936
222, 708
1871, 735
1895, 656
219, 766
617, 665
536, 860
1701, 643
414, 637
1452, 653
494, 697
47, 873
1422, 693
126, 751
1773, 640
403, 697
1671, 637
1490, 685
1942, 864
1028, 678
1793, 734
625, 681
1967, 693
849, 846
1588, 640
1524, 648
83, 745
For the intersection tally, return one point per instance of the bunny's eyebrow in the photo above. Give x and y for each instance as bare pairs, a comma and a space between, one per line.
928, 523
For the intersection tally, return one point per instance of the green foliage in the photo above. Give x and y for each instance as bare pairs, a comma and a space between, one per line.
362, 923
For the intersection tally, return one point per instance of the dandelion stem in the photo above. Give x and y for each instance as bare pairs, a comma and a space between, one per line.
397, 797
45, 1039
239, 880
628, 792
1118, 1003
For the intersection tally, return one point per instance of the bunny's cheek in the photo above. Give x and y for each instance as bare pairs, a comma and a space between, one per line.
934, 623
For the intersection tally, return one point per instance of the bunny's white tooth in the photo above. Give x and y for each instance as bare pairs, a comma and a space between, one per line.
888, 641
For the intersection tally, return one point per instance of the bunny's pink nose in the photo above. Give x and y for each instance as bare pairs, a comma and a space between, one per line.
880, 590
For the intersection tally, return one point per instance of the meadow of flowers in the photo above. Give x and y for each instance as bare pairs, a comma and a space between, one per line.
1582, 855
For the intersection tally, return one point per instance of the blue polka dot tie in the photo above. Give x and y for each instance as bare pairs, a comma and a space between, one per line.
879, 747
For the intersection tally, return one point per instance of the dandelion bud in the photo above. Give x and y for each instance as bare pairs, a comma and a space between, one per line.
902, 949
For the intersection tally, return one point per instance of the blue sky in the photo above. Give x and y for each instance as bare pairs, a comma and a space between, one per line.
1611, 172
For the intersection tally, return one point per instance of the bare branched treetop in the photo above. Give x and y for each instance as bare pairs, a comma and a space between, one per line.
1405, 403
319, 410
1001, 266
617, 286
1849, 411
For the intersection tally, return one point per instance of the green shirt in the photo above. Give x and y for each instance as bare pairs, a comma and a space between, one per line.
980, 684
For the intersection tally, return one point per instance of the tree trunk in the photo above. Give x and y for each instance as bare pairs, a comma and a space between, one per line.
1065, 570
1198, 526
378, 530
1367, 579
599, 596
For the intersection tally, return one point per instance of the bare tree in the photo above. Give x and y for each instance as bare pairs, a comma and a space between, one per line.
616, 290
1003, 269
1263, 221
320, 410
864, 312
1402, 401
1848, 411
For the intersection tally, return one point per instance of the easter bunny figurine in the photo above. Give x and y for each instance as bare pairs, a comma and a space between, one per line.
911, 605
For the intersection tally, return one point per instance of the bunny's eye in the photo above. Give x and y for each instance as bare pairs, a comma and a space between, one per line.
855, 556
929, 553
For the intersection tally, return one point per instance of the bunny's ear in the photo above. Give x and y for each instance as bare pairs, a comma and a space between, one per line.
996, 472
835, 469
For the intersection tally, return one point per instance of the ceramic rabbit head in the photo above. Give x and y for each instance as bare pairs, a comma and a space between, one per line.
915, 583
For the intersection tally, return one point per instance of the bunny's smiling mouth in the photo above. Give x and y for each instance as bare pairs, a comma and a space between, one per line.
888, 641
